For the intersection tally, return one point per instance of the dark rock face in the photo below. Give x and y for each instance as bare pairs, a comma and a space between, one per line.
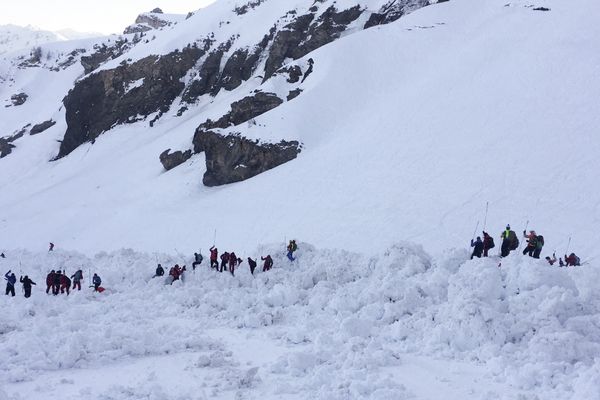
293, 94
234, 158
5, 147
244, 110
393, 10
306, 34
18, 99
172, 160
120, 95
241, 10
102, 54
39, 128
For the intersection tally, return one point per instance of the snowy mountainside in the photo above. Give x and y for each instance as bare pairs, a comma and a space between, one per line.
154, 19
13, 37
451, 106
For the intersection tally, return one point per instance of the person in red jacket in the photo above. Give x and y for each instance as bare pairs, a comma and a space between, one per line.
214, 257
488, 243
176, 272
224, 261
268, 263
50, 282
234, 261
572, 260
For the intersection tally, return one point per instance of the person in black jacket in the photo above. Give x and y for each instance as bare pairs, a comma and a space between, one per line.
160, 271
197, 260
26, 285
252, 264
478, 248
10, 283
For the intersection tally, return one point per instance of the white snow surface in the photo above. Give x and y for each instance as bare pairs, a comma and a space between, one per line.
331, 325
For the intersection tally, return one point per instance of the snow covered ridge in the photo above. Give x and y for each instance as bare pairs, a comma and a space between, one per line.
154, 19
347, 321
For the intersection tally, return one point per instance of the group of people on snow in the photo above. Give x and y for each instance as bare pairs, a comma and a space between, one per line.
510, 242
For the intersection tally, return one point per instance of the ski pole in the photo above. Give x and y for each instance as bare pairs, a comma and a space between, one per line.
526, 225
568, 245
486, 213
475, 231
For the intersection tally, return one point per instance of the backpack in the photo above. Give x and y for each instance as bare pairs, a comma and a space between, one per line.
577, 261
539, 242
514, 240
491, 244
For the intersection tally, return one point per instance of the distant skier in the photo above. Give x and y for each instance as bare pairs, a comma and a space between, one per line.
197, 260
77, 277
11, 279
50, 282
509, 241
2, 255
51, 246
96, 281
539, 245
252, 264
291, 248
26, 285
268, 263
572, 260
56, 283
65, 283
160, 271
224, 261
488, 243
214, 257
478, 247
531, 243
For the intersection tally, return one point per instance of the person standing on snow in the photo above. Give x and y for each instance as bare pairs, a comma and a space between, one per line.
291, 248
531, 243
509, 241
97, 282
11, 279
50, 282
478, 247
539, 245
252, 264
26, 285
214, 257
50, 246
224, 261
77, 277
488, 243
159, 271
268, 263
233, 262
65, 283
56, 283
197, 260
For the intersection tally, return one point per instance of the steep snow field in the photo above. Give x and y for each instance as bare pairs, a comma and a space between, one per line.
408, 130
334, 325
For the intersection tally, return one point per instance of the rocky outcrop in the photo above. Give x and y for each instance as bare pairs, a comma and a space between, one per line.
125, 94
18, 99
234, 158
171, 160
102, 54
5, 147
307, 34
395, 9
39, 128
244, 110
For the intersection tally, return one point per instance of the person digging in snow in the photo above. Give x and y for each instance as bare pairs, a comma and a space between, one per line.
50, 282
214, 257
478, 247
11, 279
252, 264
291, 248
268, 263
572, 260
509, 241
56, 282
96, 281
488, 243
160, 271
531, 243
197, 260
77, 277
224, 261
26, 285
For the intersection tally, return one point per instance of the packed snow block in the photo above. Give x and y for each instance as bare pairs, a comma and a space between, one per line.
306, 34
126, 94
171, 160
234, 158
39, 128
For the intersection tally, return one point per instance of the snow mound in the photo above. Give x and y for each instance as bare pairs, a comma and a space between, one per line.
346, 320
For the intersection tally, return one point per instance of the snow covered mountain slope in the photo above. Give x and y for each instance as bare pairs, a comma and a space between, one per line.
407, 129
13, 37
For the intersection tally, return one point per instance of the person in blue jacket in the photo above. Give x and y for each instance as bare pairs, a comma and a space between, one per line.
11, 279
96, 281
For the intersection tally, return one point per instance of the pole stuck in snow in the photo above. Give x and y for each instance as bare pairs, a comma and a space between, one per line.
568, 245
486, 213
475, 231
526, 225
